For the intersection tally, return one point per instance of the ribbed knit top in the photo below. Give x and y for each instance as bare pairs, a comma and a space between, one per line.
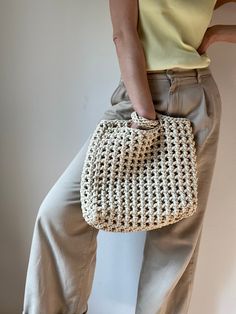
172, 30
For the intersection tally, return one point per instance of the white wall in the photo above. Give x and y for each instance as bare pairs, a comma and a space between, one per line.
58, 69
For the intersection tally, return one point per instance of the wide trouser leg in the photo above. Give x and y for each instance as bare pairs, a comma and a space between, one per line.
62, 257
63, 249
179, 298
170, 253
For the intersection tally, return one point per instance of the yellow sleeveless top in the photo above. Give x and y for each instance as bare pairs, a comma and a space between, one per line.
171, 30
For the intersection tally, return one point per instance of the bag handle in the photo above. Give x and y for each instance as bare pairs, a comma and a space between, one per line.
142, 121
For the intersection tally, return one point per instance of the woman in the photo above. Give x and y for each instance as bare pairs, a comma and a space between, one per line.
161, 47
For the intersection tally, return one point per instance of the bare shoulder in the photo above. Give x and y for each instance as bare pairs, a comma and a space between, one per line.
124, 15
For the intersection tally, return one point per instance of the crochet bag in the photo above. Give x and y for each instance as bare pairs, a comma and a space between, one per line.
139, 179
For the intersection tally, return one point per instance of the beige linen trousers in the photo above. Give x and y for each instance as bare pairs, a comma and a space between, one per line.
63, 251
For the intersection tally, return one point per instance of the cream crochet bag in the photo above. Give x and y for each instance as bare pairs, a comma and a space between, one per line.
139, 179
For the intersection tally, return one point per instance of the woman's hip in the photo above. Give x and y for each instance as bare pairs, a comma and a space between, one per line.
193, 94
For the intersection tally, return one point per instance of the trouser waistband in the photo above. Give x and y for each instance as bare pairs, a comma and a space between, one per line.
172, 73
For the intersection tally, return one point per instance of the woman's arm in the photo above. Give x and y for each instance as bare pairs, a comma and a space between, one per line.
216, 33
124, 17
223, 33
221, 2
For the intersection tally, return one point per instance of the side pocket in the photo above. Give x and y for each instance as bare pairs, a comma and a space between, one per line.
216, 94
210, 133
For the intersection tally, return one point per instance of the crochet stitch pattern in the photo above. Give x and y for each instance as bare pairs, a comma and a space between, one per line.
139, 179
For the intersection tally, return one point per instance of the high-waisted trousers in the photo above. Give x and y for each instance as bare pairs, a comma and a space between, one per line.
62, 257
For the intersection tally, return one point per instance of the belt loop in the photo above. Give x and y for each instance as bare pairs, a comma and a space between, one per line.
172, 79
168, 74
198, 75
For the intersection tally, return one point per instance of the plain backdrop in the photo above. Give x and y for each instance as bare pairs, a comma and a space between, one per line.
58, 69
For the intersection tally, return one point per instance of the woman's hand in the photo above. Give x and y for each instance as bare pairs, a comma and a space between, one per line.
207, 40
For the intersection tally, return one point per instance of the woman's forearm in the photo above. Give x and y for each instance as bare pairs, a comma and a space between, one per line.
223, 33
133, 72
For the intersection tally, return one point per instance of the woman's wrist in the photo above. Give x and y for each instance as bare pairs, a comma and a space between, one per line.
151, 115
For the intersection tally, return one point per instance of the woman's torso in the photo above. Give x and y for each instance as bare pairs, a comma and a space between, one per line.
172, 30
